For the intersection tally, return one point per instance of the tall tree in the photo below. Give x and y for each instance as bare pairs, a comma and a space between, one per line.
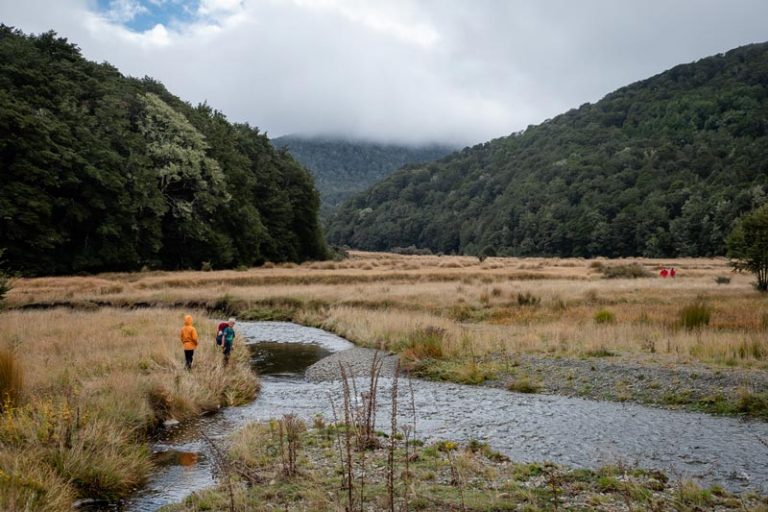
748, 245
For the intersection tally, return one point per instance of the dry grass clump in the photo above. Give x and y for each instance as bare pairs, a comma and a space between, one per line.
95, 384
28, 484
696, 315
11, 380
528, 299
425, 343
523, 385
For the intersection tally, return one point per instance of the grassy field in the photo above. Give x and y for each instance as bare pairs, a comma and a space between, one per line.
531, 305
88, 389
461, 319
100, 363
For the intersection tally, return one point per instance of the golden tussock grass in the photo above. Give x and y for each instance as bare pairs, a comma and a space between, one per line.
96, 380
381, 299
95, 383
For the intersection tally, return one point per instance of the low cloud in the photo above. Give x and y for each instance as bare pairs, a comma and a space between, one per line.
401, 70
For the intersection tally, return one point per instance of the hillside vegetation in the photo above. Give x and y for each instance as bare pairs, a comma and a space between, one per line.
659, 168
104, 172
342, 168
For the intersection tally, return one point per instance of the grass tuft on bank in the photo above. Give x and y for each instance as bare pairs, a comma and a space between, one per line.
96, 385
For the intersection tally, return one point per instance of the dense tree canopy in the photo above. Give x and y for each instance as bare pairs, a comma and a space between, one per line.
658, 168
103, 172
342, 168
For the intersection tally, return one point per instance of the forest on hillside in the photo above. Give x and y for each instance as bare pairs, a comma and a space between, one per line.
661, 167
344, 167
106, 172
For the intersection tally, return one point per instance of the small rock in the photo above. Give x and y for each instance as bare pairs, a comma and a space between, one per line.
170, 423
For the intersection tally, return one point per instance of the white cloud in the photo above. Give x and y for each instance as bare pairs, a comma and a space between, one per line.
409, 70
208, 7
392, 18
121, 11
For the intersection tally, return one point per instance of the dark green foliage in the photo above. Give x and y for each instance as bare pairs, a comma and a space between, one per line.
103, 172
658, 168
748, 245
342, 168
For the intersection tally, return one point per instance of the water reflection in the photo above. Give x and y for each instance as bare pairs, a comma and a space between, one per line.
176, 458
285, 359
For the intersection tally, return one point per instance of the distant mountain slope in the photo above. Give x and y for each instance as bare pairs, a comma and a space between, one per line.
658, 168
105, 172
344, 167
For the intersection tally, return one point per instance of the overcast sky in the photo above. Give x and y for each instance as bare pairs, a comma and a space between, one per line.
460, 71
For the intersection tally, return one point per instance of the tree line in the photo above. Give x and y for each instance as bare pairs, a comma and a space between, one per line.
106, 172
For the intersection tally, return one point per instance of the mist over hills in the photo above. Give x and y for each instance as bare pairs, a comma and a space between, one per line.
661, 167
106, 172
342, 167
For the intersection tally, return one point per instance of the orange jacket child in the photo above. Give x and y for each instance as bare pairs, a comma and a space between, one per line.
188, 334
188, 337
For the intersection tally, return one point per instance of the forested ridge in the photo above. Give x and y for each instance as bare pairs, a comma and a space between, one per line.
343, 167
105, 172
661, 167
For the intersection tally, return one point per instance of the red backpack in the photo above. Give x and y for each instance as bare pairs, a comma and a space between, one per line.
220, 333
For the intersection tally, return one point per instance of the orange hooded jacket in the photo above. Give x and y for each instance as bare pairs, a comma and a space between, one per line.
188, 334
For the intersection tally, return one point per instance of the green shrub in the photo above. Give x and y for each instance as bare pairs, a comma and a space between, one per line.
605, 317
628, 271
723, 280
695, 315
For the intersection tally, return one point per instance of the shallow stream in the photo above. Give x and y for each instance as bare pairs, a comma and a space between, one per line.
570, 431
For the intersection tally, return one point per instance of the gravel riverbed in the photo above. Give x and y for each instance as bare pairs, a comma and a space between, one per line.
606, 378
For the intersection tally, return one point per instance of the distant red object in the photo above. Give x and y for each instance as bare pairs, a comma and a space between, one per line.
664, 272
672, 272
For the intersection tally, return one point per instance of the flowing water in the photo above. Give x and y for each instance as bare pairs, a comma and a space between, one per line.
570, 431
